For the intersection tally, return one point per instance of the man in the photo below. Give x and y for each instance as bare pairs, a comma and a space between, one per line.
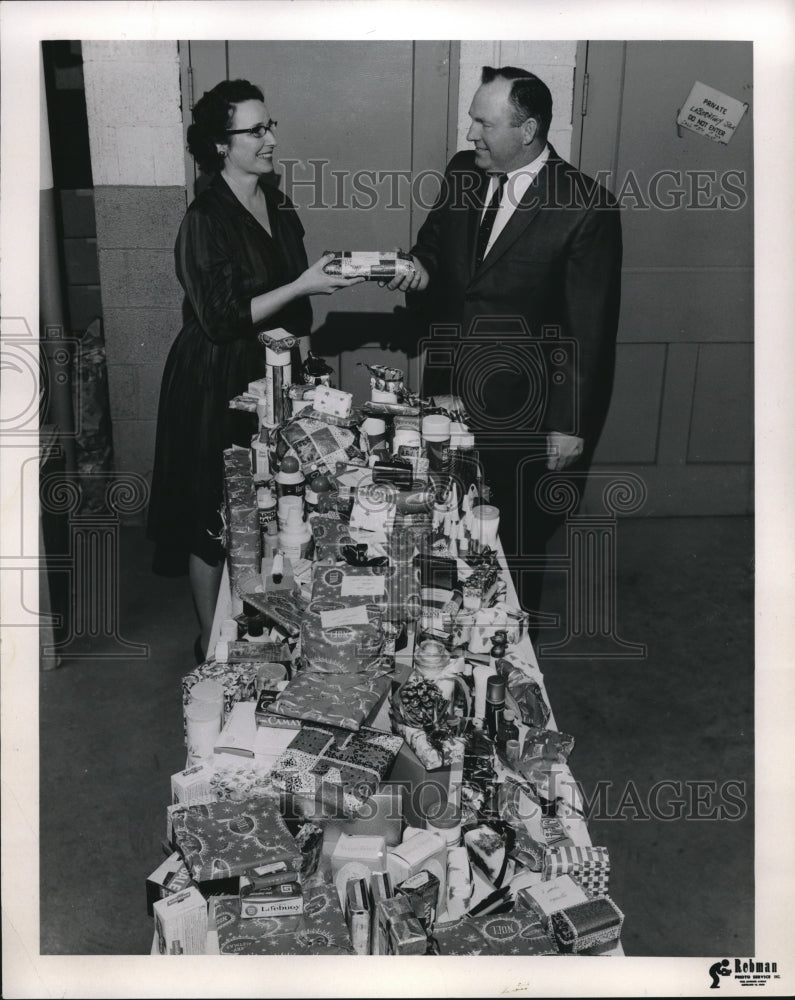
525, 270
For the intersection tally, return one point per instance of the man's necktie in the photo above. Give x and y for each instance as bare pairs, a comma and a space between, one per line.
487, 222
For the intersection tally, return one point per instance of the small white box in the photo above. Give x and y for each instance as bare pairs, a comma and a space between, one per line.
192, 784
181, 923
335, 402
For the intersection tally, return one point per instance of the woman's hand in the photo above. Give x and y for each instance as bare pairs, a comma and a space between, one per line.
315, 281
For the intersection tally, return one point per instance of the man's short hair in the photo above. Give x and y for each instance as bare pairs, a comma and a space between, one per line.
529, 96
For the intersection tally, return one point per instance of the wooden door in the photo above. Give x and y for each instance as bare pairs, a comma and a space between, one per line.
682, 411
357, 121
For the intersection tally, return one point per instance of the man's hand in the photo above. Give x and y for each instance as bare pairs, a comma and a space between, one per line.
415, 282
562, 450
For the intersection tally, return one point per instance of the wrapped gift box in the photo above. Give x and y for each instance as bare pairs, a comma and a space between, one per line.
333, 765
242, 525
333, 648
223, 839
587, 925
344, 700
319, 930
546, 744
318, 442
332, 535
546, 898
393, 588
461, 937
590, 866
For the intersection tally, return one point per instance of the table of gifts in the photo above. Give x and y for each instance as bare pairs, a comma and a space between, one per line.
372, 764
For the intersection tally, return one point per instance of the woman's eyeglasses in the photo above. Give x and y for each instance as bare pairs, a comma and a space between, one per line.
258, 131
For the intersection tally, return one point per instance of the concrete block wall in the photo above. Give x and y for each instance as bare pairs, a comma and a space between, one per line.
552, 61
134, 111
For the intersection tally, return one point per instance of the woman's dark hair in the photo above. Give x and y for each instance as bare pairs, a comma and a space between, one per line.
212, 115
529, 96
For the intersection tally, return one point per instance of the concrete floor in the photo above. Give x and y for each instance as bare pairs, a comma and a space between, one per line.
110, 734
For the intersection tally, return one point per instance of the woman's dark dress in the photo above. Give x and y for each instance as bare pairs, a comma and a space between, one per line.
224, 258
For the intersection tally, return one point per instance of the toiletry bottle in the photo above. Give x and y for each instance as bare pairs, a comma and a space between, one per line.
268, 527
495, 703
507, 730
289, 479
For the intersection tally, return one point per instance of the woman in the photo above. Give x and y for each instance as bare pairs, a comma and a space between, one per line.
241, 262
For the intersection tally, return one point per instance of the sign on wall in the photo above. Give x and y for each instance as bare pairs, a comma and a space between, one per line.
711, 113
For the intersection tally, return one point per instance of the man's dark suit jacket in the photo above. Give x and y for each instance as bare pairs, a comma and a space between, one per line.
557, 266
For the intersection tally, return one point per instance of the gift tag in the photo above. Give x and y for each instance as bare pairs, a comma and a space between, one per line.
363, 586
344, 616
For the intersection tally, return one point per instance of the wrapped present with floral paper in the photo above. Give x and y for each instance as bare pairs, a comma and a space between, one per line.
420, 713
336, 639
319, 930
335, 766
223, 839
234, 778
482, 586
589, 866
344, 700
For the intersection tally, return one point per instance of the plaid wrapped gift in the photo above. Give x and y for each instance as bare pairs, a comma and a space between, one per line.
336, 766
239, 681
317, 442
319, 930
343, 700
340, 649
590, 866
222, 839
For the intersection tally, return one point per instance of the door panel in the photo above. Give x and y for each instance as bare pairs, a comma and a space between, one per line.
688, 267
357, 120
